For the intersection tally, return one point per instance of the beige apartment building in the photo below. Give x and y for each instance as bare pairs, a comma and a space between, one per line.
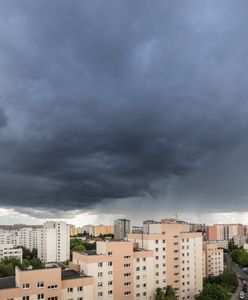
177, 257
214, 259
103, 229
224, 231
120, 270
47, 284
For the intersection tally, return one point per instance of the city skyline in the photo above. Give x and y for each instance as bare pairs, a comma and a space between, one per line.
111, 110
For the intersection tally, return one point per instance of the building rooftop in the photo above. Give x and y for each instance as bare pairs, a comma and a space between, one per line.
89, 252
7, 283
71, 274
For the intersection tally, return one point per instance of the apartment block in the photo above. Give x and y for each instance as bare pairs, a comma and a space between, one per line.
54, 242
224, 231
120, 270
47, 284
121, 229
9, 237
73, 230
7, 251
103, 229
214, 259
177, 257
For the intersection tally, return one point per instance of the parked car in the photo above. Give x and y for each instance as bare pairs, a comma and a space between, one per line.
241, 295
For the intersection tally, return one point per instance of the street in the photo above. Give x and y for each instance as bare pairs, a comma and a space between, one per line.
240, 273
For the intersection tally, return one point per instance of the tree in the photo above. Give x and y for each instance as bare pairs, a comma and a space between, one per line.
165, 294
170, 293
79, 248
213, 292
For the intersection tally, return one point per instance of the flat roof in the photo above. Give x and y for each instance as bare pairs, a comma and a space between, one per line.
89, 252
7, 283
71, 274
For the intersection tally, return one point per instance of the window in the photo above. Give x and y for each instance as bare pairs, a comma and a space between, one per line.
127, 293
100, 265
127, 256
100, 274
110, 263
79, 288
40, 284
70, 290
144, 259
127, 274
25, 298
110, 273
100, 294
137, 268
100, 284
110, 253
127, 265
41, 297
127, 283
79, 298
110, 292
26, 286
156, 241
52, 287
110, 282
144, 268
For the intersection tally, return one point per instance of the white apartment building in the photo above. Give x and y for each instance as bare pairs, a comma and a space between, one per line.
54, 242
8, 237
7, 251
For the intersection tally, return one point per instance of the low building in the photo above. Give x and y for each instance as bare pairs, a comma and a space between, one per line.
50, 284
223, 244
7, 251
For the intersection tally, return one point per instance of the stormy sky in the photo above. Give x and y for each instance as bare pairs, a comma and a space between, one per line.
135, 108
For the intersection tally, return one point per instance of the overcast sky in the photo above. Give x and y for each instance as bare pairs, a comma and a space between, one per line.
123, 108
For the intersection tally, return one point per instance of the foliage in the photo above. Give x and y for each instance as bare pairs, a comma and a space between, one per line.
232, 246
240, 256
228, 279
213, 292
77, 242
165, 294
7, 265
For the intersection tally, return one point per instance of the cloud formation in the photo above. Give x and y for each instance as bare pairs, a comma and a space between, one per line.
121, 103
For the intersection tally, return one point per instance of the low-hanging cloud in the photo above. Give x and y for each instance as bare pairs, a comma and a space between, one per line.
112, 101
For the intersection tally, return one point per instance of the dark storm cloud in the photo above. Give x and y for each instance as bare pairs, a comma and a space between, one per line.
105, 99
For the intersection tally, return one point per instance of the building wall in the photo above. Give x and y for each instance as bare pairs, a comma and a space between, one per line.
214, 259
7, 251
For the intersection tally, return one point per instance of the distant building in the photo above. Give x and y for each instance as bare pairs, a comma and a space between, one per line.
103, 230
7, 251
137, 229
89, 229
146, 225
121, 229
226, 232
239, 240
73, 230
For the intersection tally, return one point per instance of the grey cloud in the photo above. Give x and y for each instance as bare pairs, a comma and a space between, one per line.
107, 100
